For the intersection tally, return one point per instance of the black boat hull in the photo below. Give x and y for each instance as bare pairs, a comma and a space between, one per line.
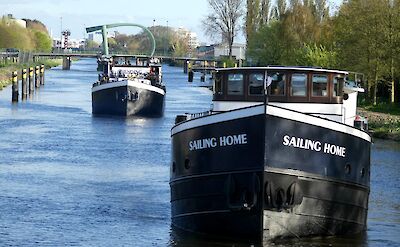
259, 184
128, 99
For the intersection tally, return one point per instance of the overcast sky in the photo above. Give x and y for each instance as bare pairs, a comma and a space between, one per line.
75, 15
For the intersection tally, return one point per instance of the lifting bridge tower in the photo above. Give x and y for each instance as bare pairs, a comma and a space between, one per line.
104, 28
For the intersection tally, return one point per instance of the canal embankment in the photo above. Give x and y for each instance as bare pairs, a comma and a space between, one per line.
7, 69
383, 125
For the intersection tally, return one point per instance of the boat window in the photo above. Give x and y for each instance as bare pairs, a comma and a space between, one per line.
337, 86
278, 83
256, 83
235, 84
218, 84
320, 85
299, 85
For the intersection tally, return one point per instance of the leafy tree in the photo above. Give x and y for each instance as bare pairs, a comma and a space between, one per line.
252, 18
112, 44
314, 55
179, 45
269, 51
360, 32
292, 29
279, 10
92, 45
42, 41
394, 46
14, 36
36, 25
32, 38
363, 36
264, 15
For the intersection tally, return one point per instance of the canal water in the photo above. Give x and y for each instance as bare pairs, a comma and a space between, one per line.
70, 179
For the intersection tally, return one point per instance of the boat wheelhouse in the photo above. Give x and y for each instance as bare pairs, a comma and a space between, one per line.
314, 91
129, 86
276, 156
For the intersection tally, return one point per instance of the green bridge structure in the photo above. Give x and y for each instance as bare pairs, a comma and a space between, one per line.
67, 56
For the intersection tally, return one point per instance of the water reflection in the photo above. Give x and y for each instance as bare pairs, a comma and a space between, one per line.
180, 238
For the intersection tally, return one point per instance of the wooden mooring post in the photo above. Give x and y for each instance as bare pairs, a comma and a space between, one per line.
190, 73
42, 74
66, 63
30, 80
37, 82
185, 66
14, 80
24, 85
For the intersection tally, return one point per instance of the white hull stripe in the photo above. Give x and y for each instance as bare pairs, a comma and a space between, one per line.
131, 83
308, 119
217, 118
273, 111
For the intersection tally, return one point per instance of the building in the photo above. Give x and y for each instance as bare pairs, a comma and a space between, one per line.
10, 19
191, 37
222, 50
74, 44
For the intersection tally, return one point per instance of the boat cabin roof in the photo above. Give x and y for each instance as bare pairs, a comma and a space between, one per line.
285, 84
294, 68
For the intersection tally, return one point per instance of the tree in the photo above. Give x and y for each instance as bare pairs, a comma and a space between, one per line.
42, 40
224, 19
264, 15
313, 55
252, 18
279, 10
92, 45
361, 32
394, 40
36, 25
269, 51
295, 33
14, 36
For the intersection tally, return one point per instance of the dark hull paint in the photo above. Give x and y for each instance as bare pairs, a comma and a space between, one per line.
267, 190
127, 101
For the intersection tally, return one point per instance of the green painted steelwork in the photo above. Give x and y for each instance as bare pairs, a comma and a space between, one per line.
104, 28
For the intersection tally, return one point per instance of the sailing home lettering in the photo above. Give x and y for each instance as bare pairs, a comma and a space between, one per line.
222, 141
298, 142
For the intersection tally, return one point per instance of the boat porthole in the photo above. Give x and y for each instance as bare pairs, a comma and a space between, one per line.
173, 166
347, 168
362, 172
187, 163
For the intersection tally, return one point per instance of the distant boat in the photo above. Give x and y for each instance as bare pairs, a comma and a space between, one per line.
281, 153
129, 86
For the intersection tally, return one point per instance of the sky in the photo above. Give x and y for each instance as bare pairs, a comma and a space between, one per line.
75, 15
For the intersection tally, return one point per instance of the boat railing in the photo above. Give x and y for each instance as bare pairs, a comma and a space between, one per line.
190, 116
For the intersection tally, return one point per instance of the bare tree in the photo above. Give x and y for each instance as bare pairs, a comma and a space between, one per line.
224, 19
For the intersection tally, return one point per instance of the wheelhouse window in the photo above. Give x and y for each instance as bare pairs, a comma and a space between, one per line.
338, 86
218, 84
278, 83
299, 85
320, 85
235, 84
256, 84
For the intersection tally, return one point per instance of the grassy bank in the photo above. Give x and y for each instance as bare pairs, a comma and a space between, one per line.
383, 120
7, 69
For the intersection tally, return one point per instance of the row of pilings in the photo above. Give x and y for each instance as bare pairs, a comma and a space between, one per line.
30, 78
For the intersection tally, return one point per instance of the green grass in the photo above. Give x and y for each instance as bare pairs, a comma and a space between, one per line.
383, 107
384, 120
7, 69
